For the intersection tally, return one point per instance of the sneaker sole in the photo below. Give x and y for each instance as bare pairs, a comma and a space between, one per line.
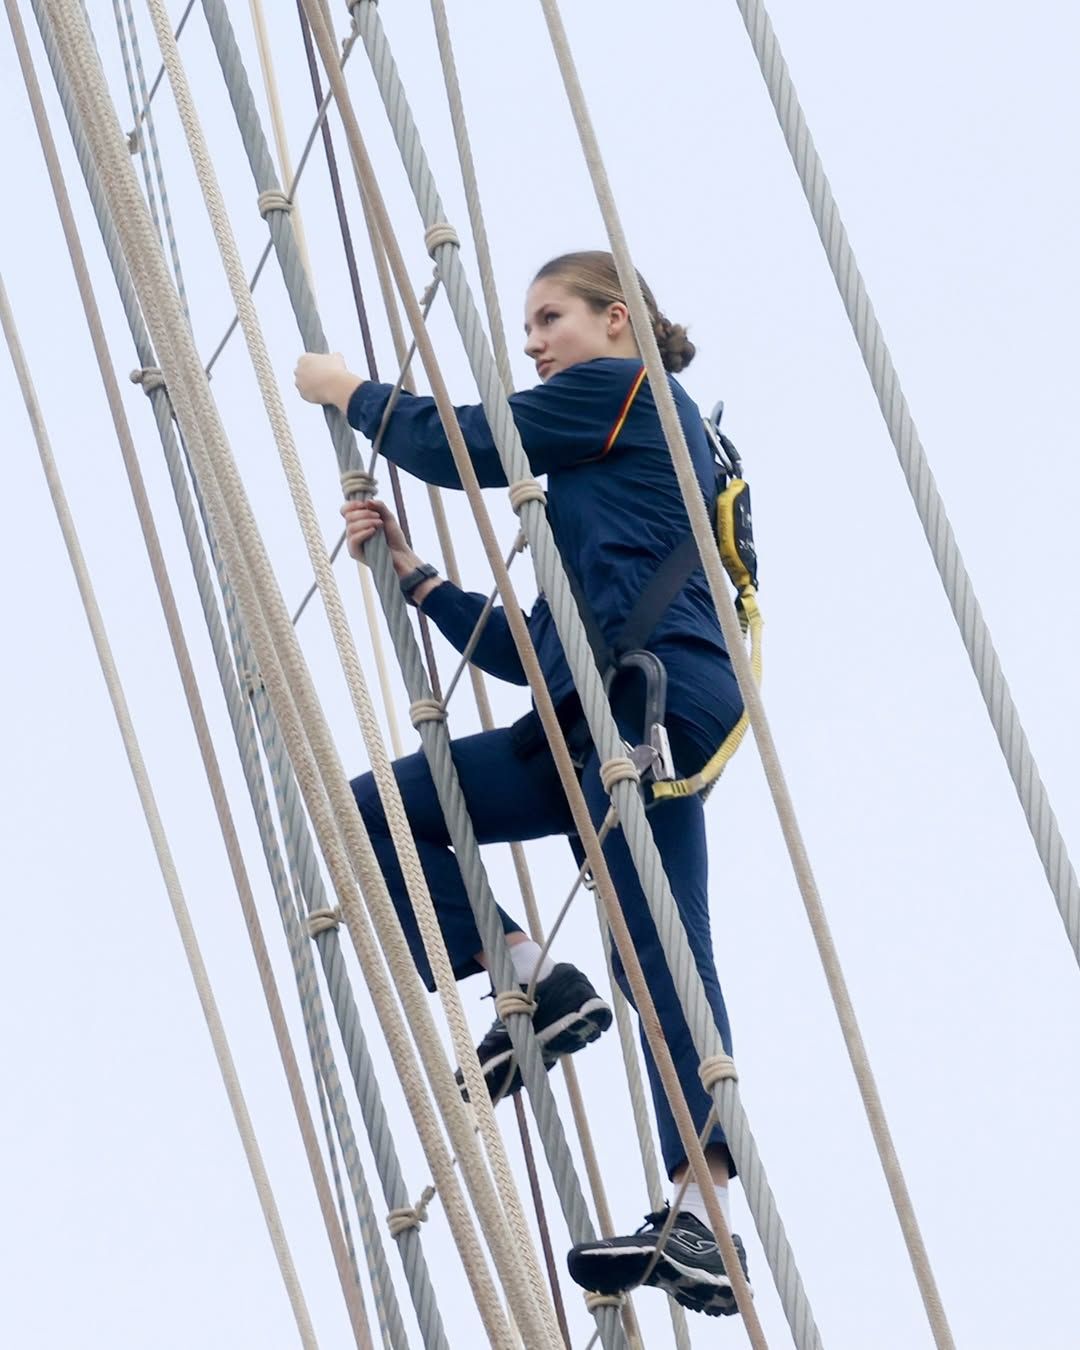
565, 1036
700, 1291
619, 1269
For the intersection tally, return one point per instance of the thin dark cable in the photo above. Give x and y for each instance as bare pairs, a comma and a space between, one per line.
541, 1216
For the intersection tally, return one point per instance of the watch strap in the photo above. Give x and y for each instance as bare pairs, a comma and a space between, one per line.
411, 580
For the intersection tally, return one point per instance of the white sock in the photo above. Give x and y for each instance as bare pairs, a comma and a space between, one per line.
693, 1202
527, 962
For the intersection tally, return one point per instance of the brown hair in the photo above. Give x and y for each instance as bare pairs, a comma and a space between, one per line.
592, 275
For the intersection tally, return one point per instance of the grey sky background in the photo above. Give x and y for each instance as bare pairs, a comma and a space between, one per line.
947, 132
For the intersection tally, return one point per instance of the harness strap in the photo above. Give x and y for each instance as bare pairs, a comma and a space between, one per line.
659, 594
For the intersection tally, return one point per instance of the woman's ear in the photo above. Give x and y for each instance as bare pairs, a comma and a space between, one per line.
618, 318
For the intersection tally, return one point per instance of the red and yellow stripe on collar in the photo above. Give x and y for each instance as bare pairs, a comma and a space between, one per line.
624, 412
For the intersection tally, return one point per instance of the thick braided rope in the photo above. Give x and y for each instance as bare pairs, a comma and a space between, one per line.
520, 1289
400, 831
347, 1275
706, 541
155, 83
197, 415
293, 823
975, 633
552, 580
157, 833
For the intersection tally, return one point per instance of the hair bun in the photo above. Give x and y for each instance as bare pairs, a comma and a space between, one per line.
676, 349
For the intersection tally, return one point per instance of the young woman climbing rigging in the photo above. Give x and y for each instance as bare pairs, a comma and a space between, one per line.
616, 510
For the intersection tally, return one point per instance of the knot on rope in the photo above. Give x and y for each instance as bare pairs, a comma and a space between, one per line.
442, 232
357, 483
320, 920
715, 1069
511, 1001
273, 199
426, 710
150, 377
403, 1218
595, 1301
618, 770
525, 490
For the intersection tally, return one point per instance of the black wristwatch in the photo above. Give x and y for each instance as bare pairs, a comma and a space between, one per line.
411, 580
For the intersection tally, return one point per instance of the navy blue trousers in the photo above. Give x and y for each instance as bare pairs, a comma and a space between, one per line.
510, 799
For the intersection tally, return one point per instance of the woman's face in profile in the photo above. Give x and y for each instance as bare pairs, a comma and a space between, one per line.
562, 330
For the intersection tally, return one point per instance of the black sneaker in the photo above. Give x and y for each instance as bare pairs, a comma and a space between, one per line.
689, 1268
569, 1014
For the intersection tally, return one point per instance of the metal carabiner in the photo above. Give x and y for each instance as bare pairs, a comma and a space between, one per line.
653, 755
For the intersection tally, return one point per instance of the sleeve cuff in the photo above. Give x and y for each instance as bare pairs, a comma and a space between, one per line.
366, 406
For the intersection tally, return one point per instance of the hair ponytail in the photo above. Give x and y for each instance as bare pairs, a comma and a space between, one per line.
676, 349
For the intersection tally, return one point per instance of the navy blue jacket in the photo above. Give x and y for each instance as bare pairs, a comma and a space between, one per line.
616, 510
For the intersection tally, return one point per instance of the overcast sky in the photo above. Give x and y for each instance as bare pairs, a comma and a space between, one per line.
947, 131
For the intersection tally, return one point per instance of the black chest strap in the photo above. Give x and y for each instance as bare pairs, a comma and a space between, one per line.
663, 586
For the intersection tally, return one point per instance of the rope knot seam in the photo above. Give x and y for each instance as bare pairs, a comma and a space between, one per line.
273, 199
715, 1070
511, 1001
525, 490
618, 770
403, 1218
322, 920
426, 710
442, 232
150, 377
357, 483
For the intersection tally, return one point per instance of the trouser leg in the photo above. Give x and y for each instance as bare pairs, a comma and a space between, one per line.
508, 798
679, 829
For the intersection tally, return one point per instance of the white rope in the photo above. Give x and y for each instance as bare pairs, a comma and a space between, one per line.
154, 823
